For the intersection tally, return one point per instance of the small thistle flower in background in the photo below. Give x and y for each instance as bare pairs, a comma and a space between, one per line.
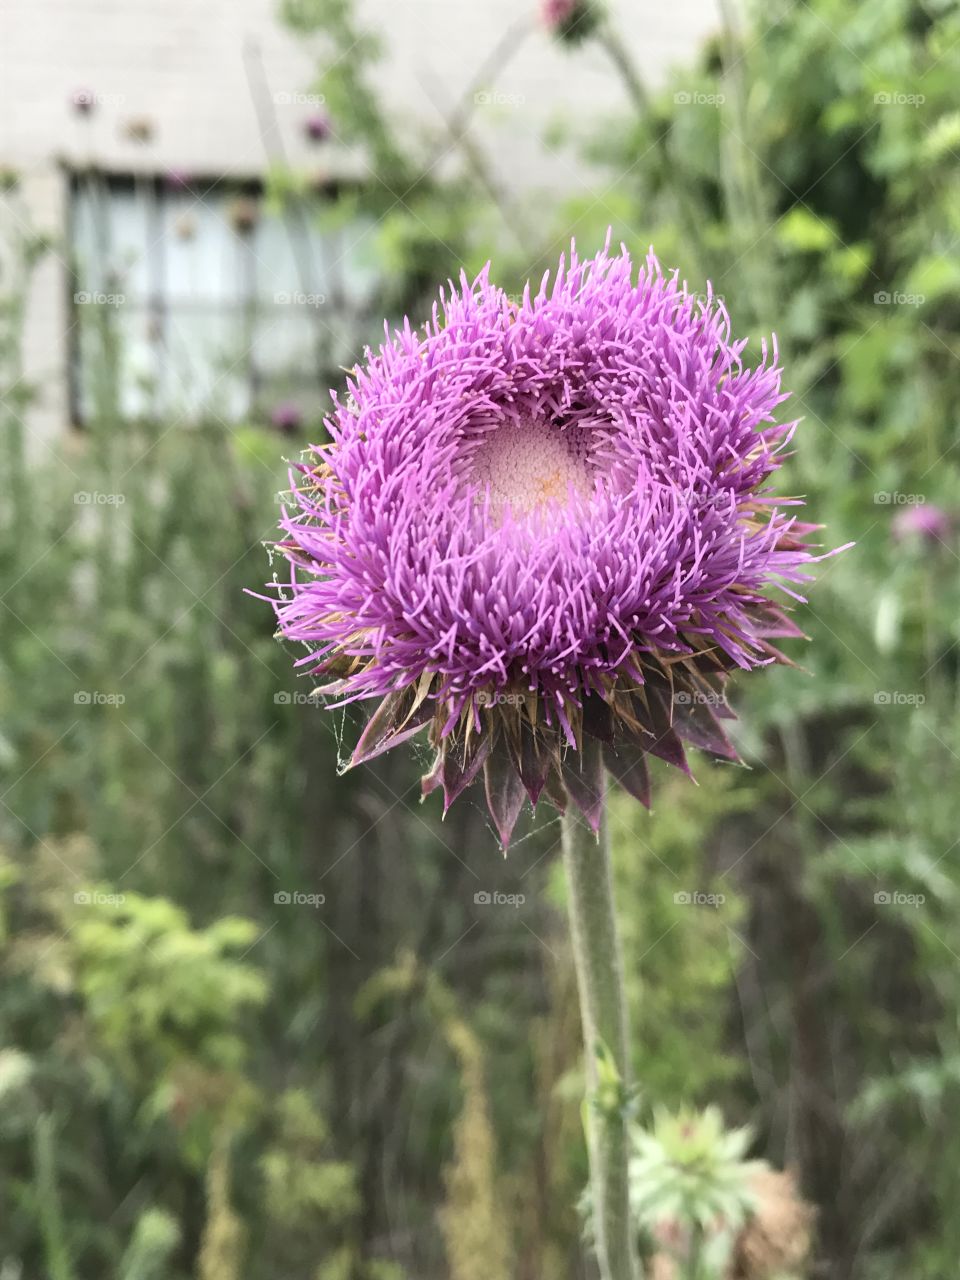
690, 1188
700, 1200
317, 126
542, 533
924, 521
570, 20
286, 418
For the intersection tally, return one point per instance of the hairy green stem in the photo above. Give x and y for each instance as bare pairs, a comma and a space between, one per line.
596, 949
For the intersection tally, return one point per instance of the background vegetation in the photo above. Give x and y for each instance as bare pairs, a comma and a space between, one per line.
203, 1074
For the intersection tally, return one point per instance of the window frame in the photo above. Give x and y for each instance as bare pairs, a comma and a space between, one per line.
158, 306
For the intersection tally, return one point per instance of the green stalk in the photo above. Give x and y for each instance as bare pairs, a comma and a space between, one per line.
56, 1251
596, 949
695, 1253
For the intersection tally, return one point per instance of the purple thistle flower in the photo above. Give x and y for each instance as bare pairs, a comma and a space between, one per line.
543, 524
317, 126
925, 521
286, 417
555, 12
570, 20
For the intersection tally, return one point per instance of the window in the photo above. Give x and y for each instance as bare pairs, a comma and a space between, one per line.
194, 297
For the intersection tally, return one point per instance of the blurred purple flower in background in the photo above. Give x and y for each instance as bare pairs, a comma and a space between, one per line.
557, 11
286, 417
545, 523
571, 20
317, 126
924, 520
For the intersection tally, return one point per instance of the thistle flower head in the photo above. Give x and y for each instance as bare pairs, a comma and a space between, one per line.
286, 417
693, 1190
317, 126
569, 20
541, 533
925, 521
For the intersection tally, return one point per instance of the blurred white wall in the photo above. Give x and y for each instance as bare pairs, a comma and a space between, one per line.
185, 70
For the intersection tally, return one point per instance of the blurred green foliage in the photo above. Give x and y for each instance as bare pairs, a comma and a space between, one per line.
201, 1076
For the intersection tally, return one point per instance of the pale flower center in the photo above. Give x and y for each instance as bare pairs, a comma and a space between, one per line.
529, 466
